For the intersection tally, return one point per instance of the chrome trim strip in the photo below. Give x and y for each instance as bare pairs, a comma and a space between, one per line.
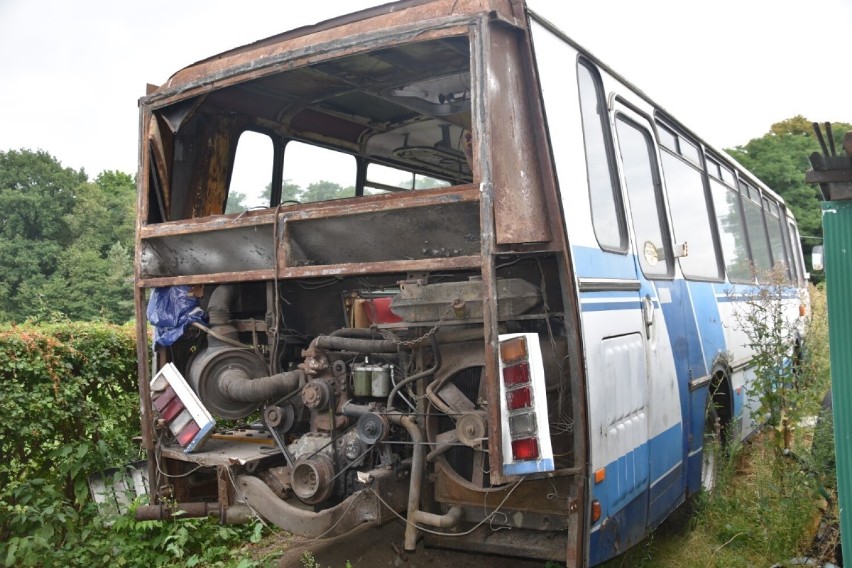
608, 285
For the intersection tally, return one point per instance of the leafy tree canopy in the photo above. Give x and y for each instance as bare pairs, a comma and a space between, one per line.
65, 242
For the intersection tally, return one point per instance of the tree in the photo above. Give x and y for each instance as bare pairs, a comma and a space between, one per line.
325, 190
236, 202
103, 212
65, 242
289, 191
36, 196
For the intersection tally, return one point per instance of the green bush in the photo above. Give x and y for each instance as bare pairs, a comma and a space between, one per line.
70, 408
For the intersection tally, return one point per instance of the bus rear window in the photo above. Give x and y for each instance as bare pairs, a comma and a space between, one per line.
384, 179
251, 179
318, 174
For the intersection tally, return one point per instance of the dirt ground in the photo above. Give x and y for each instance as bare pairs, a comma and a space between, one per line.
381, 547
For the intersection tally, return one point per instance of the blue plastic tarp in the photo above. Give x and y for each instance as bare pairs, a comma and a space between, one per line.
170, 310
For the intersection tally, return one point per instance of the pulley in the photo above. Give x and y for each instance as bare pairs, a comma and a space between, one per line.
372, 428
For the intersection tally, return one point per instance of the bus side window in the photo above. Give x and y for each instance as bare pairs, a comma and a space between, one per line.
732, 232
318, 174
776, 236
759, 240
690, 209
798, 264
645, 196
251, 176
607, 210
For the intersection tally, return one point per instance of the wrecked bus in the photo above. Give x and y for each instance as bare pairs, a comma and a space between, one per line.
433, 260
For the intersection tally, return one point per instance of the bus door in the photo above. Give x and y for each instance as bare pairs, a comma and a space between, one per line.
662, 308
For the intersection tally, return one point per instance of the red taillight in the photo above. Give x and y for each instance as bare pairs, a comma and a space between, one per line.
596, 510
172, 409
519, 398
188, 433
516, 374
163, 399
525, 449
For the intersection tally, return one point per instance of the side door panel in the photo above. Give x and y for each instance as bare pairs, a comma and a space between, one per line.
664, 303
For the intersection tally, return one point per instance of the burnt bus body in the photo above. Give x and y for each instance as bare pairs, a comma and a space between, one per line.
354, 343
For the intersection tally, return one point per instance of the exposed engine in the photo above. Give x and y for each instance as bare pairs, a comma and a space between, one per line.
362, 391
336, 403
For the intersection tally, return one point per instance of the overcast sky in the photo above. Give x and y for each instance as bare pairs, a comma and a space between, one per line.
71, 72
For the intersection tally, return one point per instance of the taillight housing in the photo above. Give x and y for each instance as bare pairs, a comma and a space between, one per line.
523, 405
180, 409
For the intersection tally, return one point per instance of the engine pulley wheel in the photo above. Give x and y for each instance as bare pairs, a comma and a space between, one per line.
311, 479
279, 417
471, 429
317, 394
372, 428
207, 370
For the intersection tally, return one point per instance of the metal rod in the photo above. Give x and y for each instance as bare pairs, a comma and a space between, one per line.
819, 136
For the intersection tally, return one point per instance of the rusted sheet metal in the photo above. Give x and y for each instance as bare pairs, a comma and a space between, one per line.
388, 267
519, 205
543, 545
241, 247
534, 495
440, 231
481, 45
143, 358
161, 147
361, 507
235, 277
381, 23
334, 208
211, 184
222, 452
398, 266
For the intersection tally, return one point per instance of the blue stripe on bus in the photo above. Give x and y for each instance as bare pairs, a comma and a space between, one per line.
619, 532
683, 332
628, 475
665, 496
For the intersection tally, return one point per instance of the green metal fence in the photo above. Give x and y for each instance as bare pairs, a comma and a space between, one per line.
837, 232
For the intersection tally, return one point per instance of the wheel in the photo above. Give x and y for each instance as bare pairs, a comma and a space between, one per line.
712, 448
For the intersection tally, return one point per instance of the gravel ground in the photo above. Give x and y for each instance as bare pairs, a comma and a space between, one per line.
381, 547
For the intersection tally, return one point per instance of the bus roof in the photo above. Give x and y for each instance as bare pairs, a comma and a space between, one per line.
330, 36
340, 35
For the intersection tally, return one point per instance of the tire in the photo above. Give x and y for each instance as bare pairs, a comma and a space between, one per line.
712, 447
